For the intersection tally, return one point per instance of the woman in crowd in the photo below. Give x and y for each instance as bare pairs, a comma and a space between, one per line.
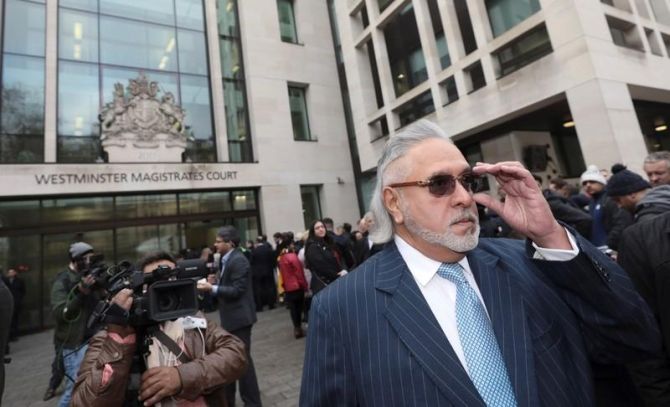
322, 257
294, 283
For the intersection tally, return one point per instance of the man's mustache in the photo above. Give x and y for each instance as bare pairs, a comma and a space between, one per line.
465, 216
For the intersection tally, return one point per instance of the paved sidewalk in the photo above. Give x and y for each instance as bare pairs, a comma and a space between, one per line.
277, 355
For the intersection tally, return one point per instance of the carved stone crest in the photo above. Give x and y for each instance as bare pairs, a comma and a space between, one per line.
137, 120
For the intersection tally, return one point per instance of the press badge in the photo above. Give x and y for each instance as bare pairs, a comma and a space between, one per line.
194, 323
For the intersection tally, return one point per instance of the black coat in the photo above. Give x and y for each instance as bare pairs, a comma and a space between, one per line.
18, 289
322, 260
235, 296
363, 251
644, 252
567, 212
263, 261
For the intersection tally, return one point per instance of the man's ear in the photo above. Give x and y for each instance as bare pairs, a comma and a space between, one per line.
391, 199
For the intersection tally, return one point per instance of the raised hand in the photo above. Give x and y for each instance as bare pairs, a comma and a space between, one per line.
525, 209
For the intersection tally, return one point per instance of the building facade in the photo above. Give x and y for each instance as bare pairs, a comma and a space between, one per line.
250, 86
556, 84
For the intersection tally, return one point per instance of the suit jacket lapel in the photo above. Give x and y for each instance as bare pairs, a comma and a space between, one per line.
505, 307
411, 317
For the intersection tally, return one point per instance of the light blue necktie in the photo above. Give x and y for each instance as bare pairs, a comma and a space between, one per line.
482, 354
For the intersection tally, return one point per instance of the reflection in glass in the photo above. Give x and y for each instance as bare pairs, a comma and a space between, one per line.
24, 28
23, 254
78, 106
408, 65
311, 205
287, 26
16, 214
192, 52
78, 36
239, 142
196, 101
203, 202
247, 228
416, 108
190, 14
76, 210
505, 14
133, 243
89, 5
244, 200
438, 30
299, 117
166, 82
130, 43
157, 11
145, 206
231, 64
227, 12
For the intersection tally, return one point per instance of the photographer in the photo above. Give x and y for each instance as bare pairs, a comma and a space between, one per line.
73, 298
209, 357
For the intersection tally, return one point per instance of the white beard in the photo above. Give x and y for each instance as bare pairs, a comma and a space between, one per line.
448, 238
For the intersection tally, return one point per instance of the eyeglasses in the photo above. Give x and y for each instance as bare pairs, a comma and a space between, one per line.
445, 184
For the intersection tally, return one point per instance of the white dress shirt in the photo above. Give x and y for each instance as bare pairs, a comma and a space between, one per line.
440, 293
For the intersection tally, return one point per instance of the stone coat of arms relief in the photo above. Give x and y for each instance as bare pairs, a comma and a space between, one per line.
138, 127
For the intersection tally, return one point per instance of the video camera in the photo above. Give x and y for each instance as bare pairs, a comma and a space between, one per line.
164, 294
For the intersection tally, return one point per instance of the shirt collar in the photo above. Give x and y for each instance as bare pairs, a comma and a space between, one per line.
423, 268
226, 256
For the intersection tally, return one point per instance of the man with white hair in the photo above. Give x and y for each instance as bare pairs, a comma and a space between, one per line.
442, 318
657, 167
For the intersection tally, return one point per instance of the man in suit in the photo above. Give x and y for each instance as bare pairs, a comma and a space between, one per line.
365, 248
441, 318
232, 288
263, 263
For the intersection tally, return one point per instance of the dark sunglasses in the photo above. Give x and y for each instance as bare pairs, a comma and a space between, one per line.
445, 184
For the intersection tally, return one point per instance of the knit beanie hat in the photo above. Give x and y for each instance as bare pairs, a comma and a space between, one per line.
592, 173
625, 182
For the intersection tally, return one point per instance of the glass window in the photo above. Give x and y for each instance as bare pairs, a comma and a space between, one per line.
524, 50
24, 28
375, 74
78, 37
77, 210
475, 74
22, 253
244, 200
204, 202
506, 14
465, 26
287, 27
145, 206
450, 89
379, 128
299, 118
661, 11
78, 106
192, 52
89, 5
438, 30
239, 142
190, 14
135, 242
247, 228
416, 108
130, 43
368, 182
157, 11
231, 58
311, 204
166, 82
227, 13
408, 65
196, 102
383, 4
16, 214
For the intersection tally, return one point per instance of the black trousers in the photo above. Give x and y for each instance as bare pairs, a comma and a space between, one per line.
57, 368
6, 305
296, 304
14, 330
249, 392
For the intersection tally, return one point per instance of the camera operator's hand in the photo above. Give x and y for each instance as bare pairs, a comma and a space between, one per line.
85, 284
204, 286
124, 299
211, 278
159, 383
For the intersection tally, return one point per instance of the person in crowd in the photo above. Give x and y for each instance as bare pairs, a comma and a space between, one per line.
566, 211
608, 220
657, 167
365, 247
343, 246
263, 263
232, 288
207, 358
632, 193
295, 285
6, 305
74, 295
440, 317
322, 257
308, 275
18, 289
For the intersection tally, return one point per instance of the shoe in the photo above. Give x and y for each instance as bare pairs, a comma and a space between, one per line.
298, 333
49, 394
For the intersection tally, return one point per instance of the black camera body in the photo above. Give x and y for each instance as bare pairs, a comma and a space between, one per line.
164, 294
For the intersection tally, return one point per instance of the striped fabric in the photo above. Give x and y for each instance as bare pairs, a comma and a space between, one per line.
373, 340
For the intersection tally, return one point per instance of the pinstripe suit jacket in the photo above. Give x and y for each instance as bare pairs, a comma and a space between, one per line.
373, 340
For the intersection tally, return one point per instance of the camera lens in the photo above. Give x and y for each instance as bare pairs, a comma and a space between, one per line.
168, 301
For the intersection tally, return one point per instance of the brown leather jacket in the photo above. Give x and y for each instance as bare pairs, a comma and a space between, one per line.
224, 362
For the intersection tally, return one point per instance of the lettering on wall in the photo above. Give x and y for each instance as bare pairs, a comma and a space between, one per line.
133, 177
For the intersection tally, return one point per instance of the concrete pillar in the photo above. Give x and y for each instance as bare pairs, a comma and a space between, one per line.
606, 124
51, 83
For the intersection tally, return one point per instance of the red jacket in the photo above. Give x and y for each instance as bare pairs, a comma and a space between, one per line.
292, 274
